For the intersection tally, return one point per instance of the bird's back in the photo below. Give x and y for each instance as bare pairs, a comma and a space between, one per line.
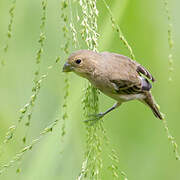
120, 67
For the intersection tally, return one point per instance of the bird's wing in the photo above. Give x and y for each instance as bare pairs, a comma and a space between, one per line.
126, 86
130, 63
125, 75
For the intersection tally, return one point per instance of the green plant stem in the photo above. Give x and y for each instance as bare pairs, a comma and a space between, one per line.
171, 139
9, 33
27, 110
29, 147
117, 28
65, 48
170, 39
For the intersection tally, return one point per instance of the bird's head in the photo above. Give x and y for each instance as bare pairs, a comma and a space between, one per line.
82, 62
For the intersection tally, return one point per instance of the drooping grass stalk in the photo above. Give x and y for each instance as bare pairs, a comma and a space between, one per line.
114, 167
171, 139
65, 104
72, 26
106, 27
65, 48
11, 131
117, 28
89, 23
46, 130
170, 59
27, 110
92, 163
9, 134
29, 147
170, 39
9, 33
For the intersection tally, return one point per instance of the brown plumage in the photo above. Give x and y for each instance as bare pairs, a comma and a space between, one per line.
115, 75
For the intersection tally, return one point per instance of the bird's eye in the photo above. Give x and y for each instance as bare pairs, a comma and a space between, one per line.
78, 61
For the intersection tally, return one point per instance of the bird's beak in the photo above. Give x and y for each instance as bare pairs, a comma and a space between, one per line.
67, 67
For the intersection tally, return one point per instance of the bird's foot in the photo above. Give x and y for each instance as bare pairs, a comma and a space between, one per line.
94, 118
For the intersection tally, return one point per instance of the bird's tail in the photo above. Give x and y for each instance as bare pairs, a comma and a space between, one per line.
149, 100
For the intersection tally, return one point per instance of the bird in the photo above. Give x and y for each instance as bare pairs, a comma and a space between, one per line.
115, 75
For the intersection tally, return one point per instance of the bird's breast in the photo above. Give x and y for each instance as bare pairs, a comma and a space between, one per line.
102, 83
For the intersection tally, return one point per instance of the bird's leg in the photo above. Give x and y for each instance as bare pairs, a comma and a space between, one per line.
96, 117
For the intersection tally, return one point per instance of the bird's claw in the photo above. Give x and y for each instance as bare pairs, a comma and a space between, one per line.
94, 118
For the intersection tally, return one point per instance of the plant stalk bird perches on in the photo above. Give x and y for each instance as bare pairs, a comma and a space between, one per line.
115, 75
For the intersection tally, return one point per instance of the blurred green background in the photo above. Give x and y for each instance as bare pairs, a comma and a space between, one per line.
137, 136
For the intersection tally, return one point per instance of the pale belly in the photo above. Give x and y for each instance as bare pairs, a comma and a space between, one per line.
124, 98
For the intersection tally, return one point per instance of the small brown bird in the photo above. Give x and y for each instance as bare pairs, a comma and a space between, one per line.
115, 75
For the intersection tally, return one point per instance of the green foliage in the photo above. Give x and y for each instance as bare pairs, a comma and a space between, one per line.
79, 19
